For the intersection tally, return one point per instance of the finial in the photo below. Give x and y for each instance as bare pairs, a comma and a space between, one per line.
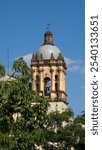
41, 56
60, 57
48, 36
52, 57
33, 56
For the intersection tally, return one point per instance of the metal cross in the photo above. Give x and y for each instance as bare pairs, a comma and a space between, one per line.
48, 26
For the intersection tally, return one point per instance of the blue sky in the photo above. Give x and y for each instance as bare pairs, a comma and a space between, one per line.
23, 24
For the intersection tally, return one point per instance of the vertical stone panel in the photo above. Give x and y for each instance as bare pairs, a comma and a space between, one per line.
41, 79
33, 79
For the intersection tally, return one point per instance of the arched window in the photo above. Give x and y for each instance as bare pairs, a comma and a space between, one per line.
47, 86
37, 78
56, 87
56, 77
56, 83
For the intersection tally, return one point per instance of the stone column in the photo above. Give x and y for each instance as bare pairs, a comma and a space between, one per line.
62, 80
33, 79
62, 84
52, 80
41, 81
53, 93
65, 80
60, 77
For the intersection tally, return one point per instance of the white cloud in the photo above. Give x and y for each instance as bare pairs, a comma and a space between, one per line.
69, 61
74, 65
27, 58
74, 69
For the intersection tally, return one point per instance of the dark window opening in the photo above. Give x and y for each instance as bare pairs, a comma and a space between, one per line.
47, 86
56, 87
37, 79
56, 77
37, 87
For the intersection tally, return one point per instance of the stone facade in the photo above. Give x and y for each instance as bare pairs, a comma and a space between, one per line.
49, 74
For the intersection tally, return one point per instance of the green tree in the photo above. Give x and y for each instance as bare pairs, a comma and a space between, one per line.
25, 130
63, 132
24, 122
21, 68
80, 130
2, 70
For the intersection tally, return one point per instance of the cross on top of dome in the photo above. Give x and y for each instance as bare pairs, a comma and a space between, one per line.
48, 36
48, 27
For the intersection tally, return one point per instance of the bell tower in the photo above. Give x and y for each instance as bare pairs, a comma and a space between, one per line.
49, 74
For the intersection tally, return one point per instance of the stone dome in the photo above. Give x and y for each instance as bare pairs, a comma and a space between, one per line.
47, 50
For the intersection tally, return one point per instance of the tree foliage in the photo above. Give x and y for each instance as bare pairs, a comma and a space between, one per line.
64, 132
20, 67
24, 122
21, 120
2, 70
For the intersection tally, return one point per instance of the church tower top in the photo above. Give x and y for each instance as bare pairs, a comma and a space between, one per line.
49, 74
48, 48
48, 38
